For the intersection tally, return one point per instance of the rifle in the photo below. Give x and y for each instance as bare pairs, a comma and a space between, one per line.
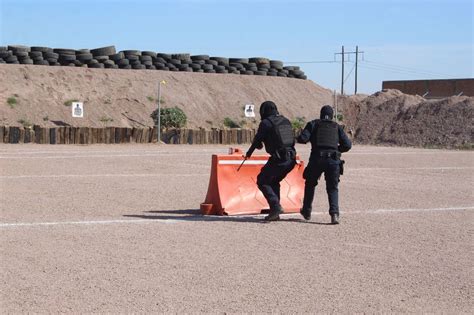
245, 159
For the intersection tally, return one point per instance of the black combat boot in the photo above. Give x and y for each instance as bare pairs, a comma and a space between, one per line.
306, 213
274, 214
335, 218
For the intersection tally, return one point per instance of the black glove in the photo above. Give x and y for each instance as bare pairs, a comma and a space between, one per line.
248, 154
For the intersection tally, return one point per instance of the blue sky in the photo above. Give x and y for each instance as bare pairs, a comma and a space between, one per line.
417, 39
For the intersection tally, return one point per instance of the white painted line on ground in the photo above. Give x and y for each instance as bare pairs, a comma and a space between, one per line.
378, 211
247, 162
86, 222
100, 175
238, 162
415, 210
150, 153
85, 151
206, 174
98, 156
407, 153
34, 154
214, 218
410, 168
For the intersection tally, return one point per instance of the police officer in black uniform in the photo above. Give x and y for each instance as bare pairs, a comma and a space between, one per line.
328, 141
276, 132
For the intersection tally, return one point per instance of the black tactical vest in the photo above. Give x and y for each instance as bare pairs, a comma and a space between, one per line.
327, 134
282, 135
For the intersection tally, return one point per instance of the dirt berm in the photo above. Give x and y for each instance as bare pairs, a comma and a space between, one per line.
391, 117
41, 95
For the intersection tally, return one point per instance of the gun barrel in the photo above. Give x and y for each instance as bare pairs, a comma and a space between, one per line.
238, 169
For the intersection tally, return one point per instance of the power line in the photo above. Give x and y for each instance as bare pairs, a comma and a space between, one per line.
365, 66
371, 67
319, 61
414, 70
400, 70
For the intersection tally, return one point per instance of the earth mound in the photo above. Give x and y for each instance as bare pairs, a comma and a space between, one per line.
126, 98
391, 117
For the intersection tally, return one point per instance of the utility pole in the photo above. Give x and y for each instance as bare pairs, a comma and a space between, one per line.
357, 59
342, 75
343, 54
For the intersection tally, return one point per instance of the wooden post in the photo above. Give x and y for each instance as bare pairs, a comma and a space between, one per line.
14, 135
70, 135
58, 135
95, 135
150, 134
91, 135
62, 131
46, 136
117, 135
67, 134
139, 135
73, 135
52, 135
107, 135
99, 134
190, 136
22, 135
181, 136
112, 135
128, 135
77, 135
146, 135
80, 135
27, 135
197, 132
6, 135
134, 134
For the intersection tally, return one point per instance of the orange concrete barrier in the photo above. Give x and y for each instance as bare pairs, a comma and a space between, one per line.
232, 192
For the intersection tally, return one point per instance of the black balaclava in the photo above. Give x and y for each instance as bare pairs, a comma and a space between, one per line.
327, 112
268, 109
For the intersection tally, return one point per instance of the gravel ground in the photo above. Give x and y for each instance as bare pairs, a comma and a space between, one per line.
115, 228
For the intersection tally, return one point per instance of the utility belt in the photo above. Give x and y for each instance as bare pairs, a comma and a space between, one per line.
284, 154
329, 155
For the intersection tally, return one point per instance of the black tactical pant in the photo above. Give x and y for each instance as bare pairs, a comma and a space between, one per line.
268, 181
330, 166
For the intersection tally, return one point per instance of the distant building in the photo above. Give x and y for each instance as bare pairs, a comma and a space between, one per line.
433, 88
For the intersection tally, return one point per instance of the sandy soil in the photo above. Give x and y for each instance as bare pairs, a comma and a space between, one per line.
112, 228
391, 117
126, 98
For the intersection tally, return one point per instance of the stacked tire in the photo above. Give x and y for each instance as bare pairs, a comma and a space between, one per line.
109, 58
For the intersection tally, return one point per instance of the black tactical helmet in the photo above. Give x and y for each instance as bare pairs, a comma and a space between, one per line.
327, 112
267, 109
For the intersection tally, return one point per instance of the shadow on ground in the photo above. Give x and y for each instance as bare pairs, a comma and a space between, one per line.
195, 215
